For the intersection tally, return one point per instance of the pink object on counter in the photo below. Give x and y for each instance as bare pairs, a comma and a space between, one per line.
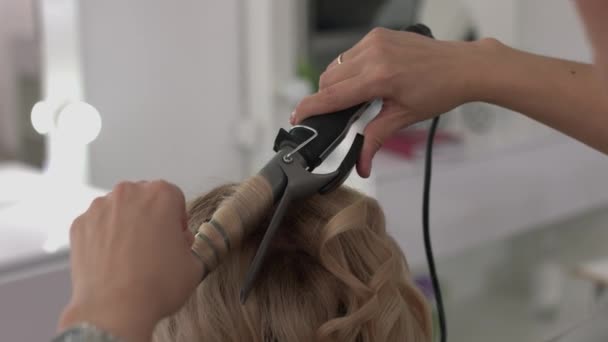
407, 142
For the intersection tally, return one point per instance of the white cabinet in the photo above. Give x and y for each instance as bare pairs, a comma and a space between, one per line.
34, 273
31, 306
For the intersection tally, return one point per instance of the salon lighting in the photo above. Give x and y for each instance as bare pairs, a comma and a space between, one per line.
43, 117
78, 121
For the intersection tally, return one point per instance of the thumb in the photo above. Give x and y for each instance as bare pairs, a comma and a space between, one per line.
196, 271
377, 131
371, 145
194, 267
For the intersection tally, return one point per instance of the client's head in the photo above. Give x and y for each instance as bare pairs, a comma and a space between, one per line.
332, 274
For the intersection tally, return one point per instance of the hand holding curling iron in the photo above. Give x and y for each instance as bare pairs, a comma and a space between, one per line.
418, 78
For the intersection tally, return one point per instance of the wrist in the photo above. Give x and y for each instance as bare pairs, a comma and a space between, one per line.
117, 320
484, 66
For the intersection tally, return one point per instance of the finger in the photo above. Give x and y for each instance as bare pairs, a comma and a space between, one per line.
96, 207
129, 184
170, 199
197, 270
192, 269
171, 192
347, 56
179, 199
376, 132
98, 202
344, 72
123, 187
375, 36
189, 237
185, 220
337, 97
76, 231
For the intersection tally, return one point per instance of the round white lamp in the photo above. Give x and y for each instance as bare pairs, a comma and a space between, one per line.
78, 121
69, 128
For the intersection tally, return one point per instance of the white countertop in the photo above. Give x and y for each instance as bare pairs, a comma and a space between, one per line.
474, 200
35, 217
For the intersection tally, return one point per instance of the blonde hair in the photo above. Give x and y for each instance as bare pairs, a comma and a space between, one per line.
333, 274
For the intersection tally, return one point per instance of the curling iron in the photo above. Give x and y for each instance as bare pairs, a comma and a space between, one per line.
286, 177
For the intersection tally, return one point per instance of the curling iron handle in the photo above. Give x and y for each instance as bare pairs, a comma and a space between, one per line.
332, 128
420, 29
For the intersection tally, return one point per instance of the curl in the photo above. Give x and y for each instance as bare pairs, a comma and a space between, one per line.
333, 274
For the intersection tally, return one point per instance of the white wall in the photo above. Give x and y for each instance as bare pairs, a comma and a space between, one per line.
165, 76
552, 27
274, 36
548, 27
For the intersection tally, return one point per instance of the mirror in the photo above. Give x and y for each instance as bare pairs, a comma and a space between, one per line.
20, 81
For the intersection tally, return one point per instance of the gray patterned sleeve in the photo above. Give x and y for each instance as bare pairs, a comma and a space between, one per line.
85, 332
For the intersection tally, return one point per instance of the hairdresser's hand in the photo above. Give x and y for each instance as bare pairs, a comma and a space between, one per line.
131, 260
417, 77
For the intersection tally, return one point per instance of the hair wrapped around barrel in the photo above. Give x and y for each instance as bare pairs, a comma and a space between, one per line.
232, 222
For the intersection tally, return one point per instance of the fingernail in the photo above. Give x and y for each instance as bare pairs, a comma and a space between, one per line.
292, 117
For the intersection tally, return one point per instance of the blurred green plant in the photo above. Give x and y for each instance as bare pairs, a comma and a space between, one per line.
309, 72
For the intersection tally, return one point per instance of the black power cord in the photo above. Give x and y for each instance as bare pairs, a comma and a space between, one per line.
428, 247
426, 194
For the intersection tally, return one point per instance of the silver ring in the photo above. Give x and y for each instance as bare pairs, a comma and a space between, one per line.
340, 58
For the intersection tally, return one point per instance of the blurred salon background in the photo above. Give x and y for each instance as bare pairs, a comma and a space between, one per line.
95, 92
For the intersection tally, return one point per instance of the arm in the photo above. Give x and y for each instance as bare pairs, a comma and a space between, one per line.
564, 95
419, 78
